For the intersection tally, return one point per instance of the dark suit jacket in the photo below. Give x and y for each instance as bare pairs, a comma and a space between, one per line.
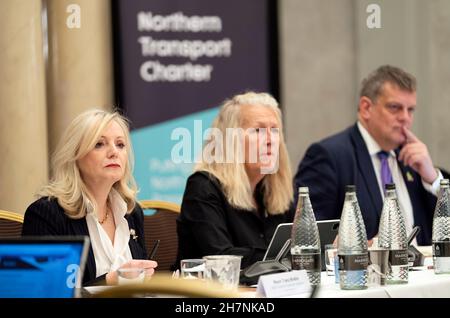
46, 217
209, 225
342, 159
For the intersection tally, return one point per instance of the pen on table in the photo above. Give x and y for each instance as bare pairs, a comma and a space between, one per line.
154, 249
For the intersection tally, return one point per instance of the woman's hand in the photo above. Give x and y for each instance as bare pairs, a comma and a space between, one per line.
149, 266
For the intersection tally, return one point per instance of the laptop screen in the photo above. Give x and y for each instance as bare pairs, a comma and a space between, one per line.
328, 229
42, 266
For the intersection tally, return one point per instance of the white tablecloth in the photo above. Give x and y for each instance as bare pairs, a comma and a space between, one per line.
421, 284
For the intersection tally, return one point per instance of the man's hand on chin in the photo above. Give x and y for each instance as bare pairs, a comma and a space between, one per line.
415, 154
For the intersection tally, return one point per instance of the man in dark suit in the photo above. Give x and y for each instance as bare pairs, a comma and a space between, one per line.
378, 149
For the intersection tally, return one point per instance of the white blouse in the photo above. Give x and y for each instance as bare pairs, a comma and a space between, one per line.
109, 257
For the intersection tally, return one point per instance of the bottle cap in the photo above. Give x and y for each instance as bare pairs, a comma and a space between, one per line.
390, 186
350, 188
303, 190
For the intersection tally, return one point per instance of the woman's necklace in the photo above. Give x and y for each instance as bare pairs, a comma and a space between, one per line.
106, 216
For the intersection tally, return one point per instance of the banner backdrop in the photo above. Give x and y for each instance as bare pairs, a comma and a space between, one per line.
176, 62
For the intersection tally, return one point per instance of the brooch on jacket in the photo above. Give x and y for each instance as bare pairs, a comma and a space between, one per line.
133, 234
409, 177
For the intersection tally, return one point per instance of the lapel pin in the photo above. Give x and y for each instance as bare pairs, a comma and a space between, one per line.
133, 234
409, 177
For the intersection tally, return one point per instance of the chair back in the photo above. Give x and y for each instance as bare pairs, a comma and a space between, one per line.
162, 225
10, 224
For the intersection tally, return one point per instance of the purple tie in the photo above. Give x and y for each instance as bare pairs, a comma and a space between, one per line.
386, 176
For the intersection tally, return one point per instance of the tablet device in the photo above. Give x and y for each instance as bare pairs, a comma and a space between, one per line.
43, 266
328, 229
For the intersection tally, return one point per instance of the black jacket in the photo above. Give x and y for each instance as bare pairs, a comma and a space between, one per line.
46, 217
209, 225
342, 159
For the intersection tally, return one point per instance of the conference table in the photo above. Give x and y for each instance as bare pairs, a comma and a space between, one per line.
422, 284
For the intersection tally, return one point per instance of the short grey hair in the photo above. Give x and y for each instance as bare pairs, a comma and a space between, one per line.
372, 85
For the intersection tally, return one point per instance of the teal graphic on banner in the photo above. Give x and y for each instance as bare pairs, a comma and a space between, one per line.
175, 62
176, 58
157, 175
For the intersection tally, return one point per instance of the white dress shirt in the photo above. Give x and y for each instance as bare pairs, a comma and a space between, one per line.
397, 177
109, 257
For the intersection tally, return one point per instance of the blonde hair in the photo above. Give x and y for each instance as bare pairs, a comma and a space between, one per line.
80, 137
277, 187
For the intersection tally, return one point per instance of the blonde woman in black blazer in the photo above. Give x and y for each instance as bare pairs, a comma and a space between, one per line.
92, 192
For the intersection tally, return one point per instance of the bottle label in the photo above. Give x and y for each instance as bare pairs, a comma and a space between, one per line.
353, 262
309, 262
441, 249
398, 257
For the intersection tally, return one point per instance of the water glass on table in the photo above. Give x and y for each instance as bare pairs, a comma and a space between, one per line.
192, 268
224, 269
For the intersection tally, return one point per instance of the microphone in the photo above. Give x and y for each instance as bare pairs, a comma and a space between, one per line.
413, 234
414, 256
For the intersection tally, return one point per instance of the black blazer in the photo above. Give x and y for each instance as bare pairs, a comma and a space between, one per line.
46, 217
331, 164
209, 225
